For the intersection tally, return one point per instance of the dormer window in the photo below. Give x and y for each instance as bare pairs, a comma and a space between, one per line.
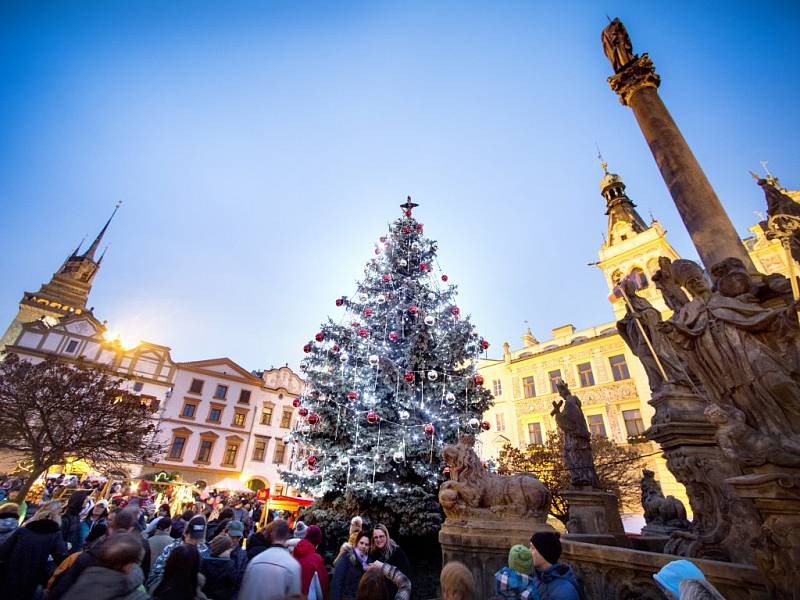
72, 346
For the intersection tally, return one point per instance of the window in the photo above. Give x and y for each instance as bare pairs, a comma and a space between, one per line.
260, 449
221, 392
189, 408
204, 453
280, 451
238, 418
279, 489
196, 387
72, 345
231, 450
633, 422
215, 414
286, 418
266, 415
555, 378
244, 396
596, 426
176, 450
500, 419
151, 401
137, 386
619, 367
497, 387
535, 433
639, 278
585, 374
528, 387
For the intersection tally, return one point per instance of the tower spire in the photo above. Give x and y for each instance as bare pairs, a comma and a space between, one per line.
96, 243
78, 248
623, 218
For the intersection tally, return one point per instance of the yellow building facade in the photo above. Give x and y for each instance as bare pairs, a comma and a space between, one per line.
595, 362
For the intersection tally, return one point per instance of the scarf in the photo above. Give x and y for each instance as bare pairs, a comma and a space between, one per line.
362, 558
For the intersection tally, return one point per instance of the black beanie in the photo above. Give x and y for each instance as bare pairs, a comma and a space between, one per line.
548, 545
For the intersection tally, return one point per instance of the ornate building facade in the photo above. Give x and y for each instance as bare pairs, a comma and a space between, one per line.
595, 362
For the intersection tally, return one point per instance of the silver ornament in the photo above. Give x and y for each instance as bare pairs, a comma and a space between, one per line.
403, 414
363, 297
473, 423
402, 262
432, 375
344, 461
398, 457
450, 397
303, 366
416, 246
429, 321
343, 357
431, 296
373, 359
381, 299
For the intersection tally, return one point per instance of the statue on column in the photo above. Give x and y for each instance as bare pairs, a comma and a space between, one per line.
737, 348
640, 326
577, 450
617, 45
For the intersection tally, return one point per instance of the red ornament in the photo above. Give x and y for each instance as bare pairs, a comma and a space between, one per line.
406, 229
312, 460
455, 311
429, 429
307, 348
303, 411
413, 309
484, 344
387, 278
296, 402
339, 301
382, 238
352, 395
335, 348
313, 418
478, 379
356, 324
409, 377
373, 417
444, 278
408, 213
320, 336
423, 266
363, 332
368, 312
377, 250
393, 336
486, 426
419, 226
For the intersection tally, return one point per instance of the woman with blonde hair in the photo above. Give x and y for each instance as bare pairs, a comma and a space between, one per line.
384, 549
30, 555
457, 582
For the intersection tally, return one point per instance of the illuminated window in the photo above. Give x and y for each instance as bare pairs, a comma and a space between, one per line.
266, 415
286, 418
259, 449
535, 433
196, 387
585, 374
555, 378
280, 451
238, 419
528, 387
221, 392
500, 419
497, 387
231, 450
619, 368
204, 453
176, 450
596, 426
634, 424
279, 489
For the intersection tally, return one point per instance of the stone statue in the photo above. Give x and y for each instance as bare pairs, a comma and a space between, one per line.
674, 296
575, 435
664, 514
617, 45
731, 343
783, 215
644, 321
745, 445
474, 493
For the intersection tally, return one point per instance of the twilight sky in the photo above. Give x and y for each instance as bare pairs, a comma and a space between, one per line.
260, 148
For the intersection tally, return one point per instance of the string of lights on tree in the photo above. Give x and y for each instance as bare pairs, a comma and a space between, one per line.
393, 380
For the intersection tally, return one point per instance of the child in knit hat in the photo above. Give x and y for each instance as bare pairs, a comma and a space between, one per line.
515, 581
218, 569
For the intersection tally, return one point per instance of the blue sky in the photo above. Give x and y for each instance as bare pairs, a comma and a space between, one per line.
261, 148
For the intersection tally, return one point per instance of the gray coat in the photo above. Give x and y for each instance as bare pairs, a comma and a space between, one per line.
100, 583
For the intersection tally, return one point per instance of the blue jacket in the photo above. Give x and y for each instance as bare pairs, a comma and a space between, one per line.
558, 582
511, 585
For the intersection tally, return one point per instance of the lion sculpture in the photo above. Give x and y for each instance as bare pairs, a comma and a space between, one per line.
659, 511
474, 493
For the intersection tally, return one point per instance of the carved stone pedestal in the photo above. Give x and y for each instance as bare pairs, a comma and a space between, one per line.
776, 496
483, 546
594, 517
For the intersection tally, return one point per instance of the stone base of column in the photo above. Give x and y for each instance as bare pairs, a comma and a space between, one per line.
483, 546
594, 517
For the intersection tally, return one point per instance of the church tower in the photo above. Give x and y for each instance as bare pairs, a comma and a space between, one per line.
630, 247
65, 294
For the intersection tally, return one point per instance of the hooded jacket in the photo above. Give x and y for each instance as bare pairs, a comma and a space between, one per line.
25, 557
310, 563
100, 583
272, 575
71, 521
256, 544
512, 585
220, 574
7, 526
558, 582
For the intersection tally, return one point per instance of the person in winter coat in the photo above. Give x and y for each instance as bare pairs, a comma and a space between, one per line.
516, 580
25, 555
160, 538
385, 549
182, 579
9, 520
217, 525
218, 569
273, 574
96, 522
194, 535
71, 521
374, 585
258, 542
305, 552
179, 524
554, 580
116, 576
350, 568
681, 579
235, 531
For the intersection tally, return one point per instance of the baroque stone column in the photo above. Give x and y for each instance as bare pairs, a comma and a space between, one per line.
636, 82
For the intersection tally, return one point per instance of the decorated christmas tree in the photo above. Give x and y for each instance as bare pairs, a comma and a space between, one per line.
389, 384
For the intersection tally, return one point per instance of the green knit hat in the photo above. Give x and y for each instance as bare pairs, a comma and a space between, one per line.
520, 559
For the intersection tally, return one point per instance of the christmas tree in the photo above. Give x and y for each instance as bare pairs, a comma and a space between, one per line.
387, 386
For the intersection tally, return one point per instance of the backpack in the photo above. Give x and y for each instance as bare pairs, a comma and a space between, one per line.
65, 564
